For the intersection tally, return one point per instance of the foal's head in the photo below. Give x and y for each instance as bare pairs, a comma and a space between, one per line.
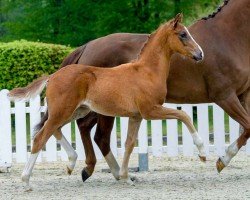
180, 40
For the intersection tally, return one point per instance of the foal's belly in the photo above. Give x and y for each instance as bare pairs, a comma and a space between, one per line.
112, 107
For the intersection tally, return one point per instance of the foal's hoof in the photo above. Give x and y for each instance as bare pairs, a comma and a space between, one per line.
85, 175
28, 189
220, 165
203, 158
69, 171
127, 181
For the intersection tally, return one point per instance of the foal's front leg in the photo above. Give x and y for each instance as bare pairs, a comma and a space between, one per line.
160, 112
133, 128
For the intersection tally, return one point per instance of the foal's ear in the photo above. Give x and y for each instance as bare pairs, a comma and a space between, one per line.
176, 20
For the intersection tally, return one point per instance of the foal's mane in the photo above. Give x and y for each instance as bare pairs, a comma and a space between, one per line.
217, 11
145, 44
150, 37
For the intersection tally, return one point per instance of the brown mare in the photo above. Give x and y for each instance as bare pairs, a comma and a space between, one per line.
223, 76
136, 90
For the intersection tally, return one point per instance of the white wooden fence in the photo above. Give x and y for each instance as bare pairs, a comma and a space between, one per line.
18, 119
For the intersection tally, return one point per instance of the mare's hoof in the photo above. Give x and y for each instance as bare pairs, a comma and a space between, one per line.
69, 171
220, 165
134, 178
85, 175
203, 158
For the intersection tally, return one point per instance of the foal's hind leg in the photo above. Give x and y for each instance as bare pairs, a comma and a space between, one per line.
72, 155
39, 141
160, 112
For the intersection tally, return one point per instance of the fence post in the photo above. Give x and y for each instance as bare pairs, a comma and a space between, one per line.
143, 146
203, 125
172, 135
35, 117
156, 130
219, 130
187, 139
234, 128
123, 132
21, 136
5, 130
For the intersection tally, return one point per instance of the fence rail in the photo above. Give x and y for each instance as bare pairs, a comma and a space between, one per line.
157, 137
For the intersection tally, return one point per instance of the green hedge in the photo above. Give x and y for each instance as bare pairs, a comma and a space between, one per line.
21, 61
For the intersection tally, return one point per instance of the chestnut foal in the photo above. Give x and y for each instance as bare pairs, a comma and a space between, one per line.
136, 90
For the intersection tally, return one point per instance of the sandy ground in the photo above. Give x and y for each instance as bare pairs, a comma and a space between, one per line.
178, 178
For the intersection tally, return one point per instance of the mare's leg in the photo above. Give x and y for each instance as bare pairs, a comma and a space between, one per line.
234, 108
85, 125
160, 112
102, 139
72, 155
133, 128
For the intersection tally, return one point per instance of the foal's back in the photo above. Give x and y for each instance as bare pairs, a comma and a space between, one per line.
110, 91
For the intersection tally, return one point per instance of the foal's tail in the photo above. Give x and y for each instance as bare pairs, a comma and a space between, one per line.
33, 89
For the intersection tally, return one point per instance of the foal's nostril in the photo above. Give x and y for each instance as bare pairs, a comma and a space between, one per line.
201, 55
198, 56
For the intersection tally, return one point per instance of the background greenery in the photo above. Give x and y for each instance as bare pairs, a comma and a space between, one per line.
75, 22
21, 62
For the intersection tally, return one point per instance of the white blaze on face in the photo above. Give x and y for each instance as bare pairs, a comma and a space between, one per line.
198, 46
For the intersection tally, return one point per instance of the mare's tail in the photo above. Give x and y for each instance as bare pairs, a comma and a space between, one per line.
74, 57
33, 89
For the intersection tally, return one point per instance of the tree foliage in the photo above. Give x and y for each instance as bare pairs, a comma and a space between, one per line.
74, 22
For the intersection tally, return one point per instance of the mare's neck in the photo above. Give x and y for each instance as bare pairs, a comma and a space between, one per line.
233, 19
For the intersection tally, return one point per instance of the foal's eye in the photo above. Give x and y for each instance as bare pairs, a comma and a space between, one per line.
183, 35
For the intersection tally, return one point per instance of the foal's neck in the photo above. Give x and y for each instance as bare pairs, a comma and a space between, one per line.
155, 55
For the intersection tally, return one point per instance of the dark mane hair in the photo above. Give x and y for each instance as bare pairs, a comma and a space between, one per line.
217, 11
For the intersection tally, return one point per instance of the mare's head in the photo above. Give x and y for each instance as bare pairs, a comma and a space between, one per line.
180, 40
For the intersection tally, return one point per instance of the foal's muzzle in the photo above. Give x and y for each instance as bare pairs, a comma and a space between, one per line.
198, 56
